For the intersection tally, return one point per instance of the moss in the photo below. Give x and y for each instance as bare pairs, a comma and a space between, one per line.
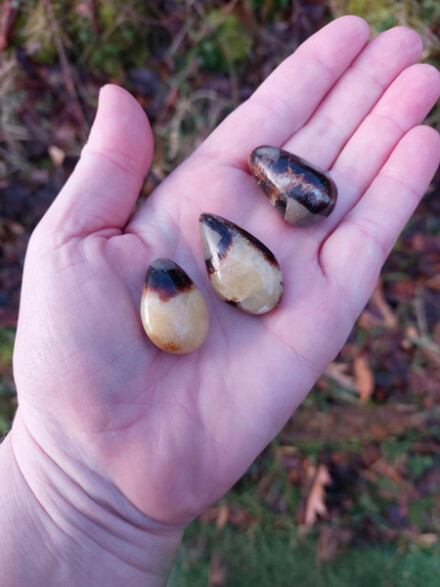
7, 337
418, 464
224, 43
422, 514
7, 390
119, 44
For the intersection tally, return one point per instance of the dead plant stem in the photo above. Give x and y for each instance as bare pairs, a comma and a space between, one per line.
67, 76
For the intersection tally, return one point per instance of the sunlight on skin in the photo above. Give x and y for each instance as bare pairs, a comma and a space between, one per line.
171, 434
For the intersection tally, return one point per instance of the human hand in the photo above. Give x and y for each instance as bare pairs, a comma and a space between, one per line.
128, 424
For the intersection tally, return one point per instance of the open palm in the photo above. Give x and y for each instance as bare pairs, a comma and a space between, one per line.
173, 433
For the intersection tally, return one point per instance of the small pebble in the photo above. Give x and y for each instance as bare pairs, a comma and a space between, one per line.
242, 271
302, 194
173, 310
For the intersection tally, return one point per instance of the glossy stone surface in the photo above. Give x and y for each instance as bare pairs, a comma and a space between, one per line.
173, 310
302, 194
242, 270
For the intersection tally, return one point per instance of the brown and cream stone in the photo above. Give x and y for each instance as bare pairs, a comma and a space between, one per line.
242, 270
303, 194
173, 310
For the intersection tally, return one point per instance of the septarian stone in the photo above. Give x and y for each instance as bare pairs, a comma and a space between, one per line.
242, 270
173, 310
303, 194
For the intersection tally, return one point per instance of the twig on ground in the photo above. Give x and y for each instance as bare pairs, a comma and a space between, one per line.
67, 76
8, 15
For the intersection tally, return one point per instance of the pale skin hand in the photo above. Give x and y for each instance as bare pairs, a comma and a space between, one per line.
172, 433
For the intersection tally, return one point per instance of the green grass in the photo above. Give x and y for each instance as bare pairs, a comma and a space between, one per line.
7, 389
422, 514
276, 558
7, 336
418, 464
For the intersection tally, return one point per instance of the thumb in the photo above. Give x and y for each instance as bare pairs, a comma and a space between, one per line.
102, 190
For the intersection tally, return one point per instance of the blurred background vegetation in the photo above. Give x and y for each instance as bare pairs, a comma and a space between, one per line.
347, 495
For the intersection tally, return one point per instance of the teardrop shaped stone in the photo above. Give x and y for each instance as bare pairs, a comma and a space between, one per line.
242, 270
302, 194
173, 310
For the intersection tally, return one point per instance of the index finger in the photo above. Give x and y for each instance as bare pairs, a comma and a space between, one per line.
289, 96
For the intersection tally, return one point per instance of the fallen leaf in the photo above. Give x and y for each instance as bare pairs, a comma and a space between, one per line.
424, 243
222, 517
210, 515
331, 542
56, 155
364, 378
370, 454
378, 300
368, 320
402, 289
338, 423
434, 282
240, 518
8, 316
411, 337
316, 500
385, 469
8, 15
427, 539
85, 10
217, 571
338, 372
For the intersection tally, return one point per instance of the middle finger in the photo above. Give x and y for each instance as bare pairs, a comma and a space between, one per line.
341, 112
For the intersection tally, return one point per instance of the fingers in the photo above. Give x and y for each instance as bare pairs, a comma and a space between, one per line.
288, 97
105, 184
353, 255
357, 91
403, 106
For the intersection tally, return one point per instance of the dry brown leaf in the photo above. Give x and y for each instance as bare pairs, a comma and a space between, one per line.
56, 155
378, 300
8, 316
368, 320
423, 540
385, 469
338, 372
427, 539
316, 500
240, 518
411, 337
222, 517
363, 377
217, 571
210, 515
331, 542
434, 282
84, 9
8, 14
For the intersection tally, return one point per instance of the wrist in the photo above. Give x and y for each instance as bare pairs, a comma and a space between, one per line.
61, 530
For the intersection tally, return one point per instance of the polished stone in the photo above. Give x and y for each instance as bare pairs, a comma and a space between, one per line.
173, 310
242, 270
302, 194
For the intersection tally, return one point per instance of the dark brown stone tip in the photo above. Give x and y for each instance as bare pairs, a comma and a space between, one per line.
167, 279
286, 178
222, 228
226, 230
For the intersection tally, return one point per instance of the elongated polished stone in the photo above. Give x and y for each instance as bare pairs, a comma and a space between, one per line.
173, 310
302, 194
242, 270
